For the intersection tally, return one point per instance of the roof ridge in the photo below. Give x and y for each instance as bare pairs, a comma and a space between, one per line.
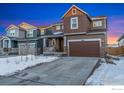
77, 8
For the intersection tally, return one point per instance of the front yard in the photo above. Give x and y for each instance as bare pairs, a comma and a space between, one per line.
10, 65
108, 74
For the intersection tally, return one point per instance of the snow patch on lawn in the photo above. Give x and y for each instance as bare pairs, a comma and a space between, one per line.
11, 65
108, 74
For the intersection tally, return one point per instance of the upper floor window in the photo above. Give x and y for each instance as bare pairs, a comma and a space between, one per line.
97, 23
42, 31
58, 27
30, 33
74, 23
74, 11
12, 32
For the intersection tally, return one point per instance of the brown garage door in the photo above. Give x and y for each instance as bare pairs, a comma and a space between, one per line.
84, 48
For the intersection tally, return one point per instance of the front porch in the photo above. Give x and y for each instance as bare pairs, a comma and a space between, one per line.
9, 46
53, 46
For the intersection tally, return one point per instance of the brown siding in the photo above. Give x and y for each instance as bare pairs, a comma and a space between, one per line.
83, 24
70, 12
83, 21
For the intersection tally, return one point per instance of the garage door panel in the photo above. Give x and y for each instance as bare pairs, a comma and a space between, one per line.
28, 48
87, 48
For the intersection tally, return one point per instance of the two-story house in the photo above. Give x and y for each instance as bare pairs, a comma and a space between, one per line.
77, 35
22, 39
31, 44
9, 43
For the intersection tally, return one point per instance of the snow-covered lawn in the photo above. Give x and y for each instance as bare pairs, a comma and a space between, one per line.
108, 74
13, 64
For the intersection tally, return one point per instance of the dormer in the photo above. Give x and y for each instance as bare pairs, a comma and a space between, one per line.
99, 23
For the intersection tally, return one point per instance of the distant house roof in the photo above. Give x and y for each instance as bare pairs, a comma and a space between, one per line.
1, 37
121, 38
26, 26
7, 37
78, 9
11, 27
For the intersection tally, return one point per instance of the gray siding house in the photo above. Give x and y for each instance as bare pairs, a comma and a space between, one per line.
31, 44
22, 39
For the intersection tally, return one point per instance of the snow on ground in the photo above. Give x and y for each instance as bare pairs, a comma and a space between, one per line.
13, 64
108, 74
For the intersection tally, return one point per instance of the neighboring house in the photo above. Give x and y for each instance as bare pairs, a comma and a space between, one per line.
121, 41
77, 35
0, 45
22, 40
9, 43
31, 44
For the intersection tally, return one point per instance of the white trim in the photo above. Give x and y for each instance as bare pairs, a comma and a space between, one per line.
92, 33
96, 18
75, 33
71, 22
85, 33
78, 9
4, 37
75, 40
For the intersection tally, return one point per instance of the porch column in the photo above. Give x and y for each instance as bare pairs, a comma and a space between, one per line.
3, 44
65, 44
9, 44
44, 42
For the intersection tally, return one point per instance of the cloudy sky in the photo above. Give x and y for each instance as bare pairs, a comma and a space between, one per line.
45, 14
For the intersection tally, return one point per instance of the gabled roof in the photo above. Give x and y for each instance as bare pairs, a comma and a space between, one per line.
11, 27
5, 37
1, 37
26, 26
121, 38
78, 9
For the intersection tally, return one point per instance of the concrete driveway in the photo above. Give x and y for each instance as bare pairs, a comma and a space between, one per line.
64, 71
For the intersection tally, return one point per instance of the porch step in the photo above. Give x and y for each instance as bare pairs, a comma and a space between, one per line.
54, 54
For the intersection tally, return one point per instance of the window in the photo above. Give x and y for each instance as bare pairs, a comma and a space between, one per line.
97, 23
74, 11
30, 33
74, 23
62, 27
42, 31
58, 27
12, 32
